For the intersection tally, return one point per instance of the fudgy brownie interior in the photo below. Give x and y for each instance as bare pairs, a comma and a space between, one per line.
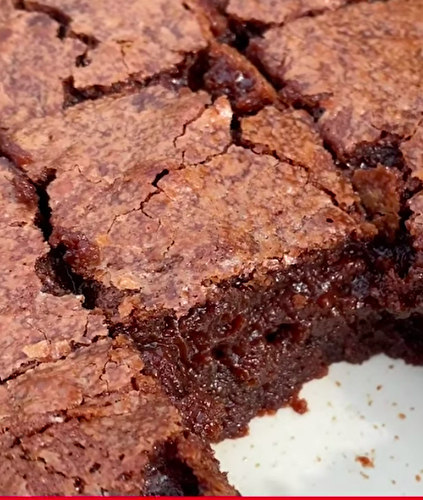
235, 187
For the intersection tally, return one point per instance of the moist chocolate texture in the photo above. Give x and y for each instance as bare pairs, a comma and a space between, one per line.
200, 213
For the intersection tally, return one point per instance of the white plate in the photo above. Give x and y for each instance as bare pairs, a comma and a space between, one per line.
374, 410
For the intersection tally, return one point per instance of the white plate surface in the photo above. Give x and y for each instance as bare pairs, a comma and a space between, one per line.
374, 410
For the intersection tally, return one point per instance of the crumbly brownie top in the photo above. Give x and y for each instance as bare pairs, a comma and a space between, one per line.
33, 64
102, 44
361, 65
99, 142
125, 228
278, 11
77, 418
143, 38
292, 137
35, 326
94, 424
102, 378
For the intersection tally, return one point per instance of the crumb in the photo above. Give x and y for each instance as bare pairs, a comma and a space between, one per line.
292, 438
364, 475
418, 478
393, 481
244, 459
370, 402
379, 387
365, 461
299, 405
329, 403
394, 404
392, 457
333, 418
257, 465
402, 416
391, 367
375, 426
338, 383
251, 446
396, 438
383, 425
318, 459
412, 408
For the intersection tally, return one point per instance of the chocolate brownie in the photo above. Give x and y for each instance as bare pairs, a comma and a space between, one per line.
161, 181
242, 199
36, 326
363, 72
50, 47
93, 424
73, 402
33, 64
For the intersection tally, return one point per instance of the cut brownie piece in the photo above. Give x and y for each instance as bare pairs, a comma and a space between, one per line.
55, 46
143, 39
36, 326
360, 65
94, 424
187, 302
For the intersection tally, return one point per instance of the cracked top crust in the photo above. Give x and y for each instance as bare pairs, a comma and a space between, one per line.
364, 71
292, 137
142, 39
33, 64
278, 11
76, 419
128, 228
36, 326
103, 44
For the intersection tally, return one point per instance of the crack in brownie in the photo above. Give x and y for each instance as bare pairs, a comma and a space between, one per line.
364, 70
235, 186
37, 326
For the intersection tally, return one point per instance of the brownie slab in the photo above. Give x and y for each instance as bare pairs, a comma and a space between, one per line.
360, 65
244, 235
36, 326
124, 217
142, 39
33, 64
93, 424
52, 50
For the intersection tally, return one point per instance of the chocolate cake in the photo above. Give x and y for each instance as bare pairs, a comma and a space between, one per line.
218, 199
